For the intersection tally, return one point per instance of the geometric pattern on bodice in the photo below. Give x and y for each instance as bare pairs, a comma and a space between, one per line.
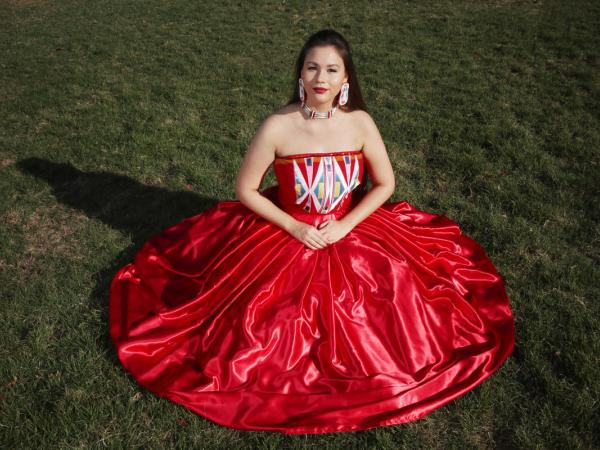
322, 182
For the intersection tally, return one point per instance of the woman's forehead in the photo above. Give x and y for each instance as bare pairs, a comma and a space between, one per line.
325, 55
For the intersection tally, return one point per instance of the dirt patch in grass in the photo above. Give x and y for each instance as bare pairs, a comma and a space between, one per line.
50, 231
53, 230
6, 162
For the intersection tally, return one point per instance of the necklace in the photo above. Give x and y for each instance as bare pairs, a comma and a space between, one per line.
316, 114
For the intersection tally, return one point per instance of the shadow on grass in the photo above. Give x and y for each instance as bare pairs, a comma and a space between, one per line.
122, 203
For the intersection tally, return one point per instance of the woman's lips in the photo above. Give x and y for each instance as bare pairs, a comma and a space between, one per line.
320, 90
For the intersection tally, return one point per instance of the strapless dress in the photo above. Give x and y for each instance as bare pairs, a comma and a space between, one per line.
230, 316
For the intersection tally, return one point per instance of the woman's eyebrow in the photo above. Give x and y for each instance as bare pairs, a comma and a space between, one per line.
328, 65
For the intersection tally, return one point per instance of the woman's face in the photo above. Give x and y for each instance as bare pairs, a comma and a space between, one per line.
323, 67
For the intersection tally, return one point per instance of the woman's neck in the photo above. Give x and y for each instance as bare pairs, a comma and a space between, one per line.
320, 107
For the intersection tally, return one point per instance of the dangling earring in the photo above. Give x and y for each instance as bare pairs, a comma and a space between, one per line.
301, 89
344, 94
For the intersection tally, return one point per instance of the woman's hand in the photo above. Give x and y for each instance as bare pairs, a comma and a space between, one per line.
333, 230
308, 235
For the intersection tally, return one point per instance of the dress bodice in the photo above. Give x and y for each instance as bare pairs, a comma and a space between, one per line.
318, 183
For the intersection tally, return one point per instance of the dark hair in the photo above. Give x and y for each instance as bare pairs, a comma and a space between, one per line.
324, 38
355, 98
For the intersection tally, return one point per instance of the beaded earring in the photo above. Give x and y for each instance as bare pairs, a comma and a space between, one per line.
301, 89
344, 94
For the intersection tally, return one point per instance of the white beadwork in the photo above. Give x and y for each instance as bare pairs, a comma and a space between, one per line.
318, 193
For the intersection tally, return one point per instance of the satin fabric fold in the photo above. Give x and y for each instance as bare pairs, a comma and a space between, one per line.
230, 316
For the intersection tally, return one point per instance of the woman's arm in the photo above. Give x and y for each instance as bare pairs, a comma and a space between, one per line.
258, 158
380, 171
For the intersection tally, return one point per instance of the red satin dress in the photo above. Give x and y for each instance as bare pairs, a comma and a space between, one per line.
230, 316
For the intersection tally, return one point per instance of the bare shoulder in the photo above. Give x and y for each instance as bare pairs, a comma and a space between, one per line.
270, 133
278, 121
270, 126
365, 127
287, 109
379, 166
279, 124
364, 121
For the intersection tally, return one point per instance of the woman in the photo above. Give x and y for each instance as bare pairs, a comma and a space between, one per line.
314, 306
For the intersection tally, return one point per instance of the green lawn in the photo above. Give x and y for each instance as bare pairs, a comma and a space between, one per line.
120, 118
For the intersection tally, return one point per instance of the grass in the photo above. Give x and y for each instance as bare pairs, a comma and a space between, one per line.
121, 118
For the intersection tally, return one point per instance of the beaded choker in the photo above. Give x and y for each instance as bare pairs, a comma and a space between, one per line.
316, 114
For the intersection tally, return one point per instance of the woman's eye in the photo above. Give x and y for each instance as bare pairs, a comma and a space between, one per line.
330, 70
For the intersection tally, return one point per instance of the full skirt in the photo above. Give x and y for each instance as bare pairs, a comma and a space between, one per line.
230, 316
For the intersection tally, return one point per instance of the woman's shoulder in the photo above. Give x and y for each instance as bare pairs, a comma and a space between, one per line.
273, 123
362, 117
287, 109
365, 123
276, 125
281, 115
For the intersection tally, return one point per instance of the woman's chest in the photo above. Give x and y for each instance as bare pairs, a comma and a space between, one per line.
319, 138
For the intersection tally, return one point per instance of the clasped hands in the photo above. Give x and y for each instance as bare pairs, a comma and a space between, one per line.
319, 237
